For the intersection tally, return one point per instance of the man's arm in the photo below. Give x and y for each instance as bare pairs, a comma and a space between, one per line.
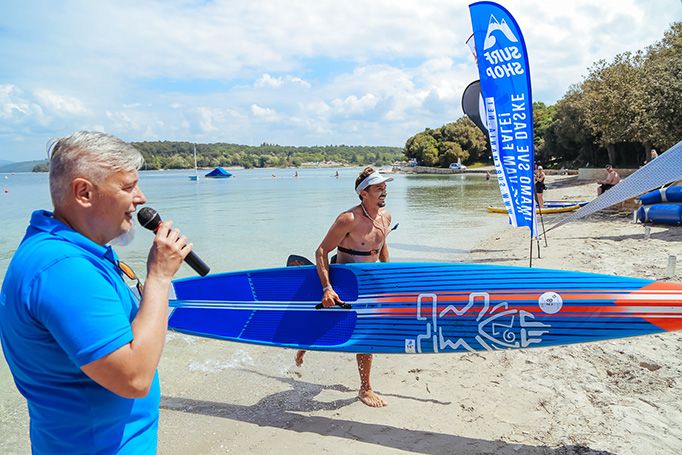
383, 254
337, 232
129, 370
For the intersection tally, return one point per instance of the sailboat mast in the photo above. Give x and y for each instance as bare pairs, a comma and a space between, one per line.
196, 171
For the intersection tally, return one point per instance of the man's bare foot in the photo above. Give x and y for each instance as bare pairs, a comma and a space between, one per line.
371, 399
299, 358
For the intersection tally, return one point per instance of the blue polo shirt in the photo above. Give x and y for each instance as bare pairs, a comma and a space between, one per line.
63, 305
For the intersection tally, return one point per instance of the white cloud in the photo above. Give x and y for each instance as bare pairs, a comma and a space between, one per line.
318, 72
60, 104
122, 121
267, 80
353, 105
441, 76
318, 108
12, 103
207, 119
19, 111
264, 113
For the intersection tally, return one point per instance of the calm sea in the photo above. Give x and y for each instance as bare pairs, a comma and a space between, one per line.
260, 216
257, 219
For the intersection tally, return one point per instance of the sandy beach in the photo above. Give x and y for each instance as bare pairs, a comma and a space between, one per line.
622, 396
617, 397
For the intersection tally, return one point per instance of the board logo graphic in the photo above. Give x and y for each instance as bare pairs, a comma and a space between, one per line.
499, 327
550, 302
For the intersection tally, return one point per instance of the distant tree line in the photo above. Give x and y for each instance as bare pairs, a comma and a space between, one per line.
180, 155
617, 114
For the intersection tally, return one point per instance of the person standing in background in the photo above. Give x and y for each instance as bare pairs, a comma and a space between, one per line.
539, 185
612, 178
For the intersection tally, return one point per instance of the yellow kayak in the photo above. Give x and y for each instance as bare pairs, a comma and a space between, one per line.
543, 210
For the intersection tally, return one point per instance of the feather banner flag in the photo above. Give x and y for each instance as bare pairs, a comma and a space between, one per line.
505, 86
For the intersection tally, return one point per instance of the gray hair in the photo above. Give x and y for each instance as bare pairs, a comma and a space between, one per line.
90, 155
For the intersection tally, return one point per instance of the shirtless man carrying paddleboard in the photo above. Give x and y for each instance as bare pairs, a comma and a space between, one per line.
359, 234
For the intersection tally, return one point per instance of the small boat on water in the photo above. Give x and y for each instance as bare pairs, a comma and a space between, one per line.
218, 173
195, 177
551, 204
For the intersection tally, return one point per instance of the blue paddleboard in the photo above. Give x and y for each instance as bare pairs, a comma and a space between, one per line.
422, 307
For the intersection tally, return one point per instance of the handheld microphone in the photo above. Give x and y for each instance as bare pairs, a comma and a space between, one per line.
150, 219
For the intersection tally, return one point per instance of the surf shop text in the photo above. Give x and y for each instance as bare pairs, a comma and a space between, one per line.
501, 64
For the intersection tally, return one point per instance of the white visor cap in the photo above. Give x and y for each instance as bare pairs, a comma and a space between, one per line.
372, 179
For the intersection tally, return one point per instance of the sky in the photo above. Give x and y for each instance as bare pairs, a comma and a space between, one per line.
294, 72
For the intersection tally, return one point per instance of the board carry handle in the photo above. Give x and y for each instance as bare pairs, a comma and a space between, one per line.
295, 260
345, 306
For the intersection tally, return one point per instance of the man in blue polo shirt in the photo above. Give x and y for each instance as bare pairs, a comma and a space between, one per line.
83, 351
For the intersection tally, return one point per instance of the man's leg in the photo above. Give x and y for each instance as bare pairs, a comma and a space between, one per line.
298, 358
366, 394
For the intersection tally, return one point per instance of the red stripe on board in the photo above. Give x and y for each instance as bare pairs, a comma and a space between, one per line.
566, 312
664, 323
605, 294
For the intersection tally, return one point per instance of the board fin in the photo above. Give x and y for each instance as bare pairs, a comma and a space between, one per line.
295, 260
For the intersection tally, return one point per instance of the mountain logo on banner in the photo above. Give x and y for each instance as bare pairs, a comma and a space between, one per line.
496, 26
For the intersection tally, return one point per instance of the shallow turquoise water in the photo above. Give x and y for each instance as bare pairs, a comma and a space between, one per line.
255, 220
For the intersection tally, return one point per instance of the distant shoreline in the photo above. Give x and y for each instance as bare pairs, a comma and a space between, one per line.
476, 170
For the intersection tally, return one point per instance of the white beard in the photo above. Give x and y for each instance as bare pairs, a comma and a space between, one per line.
124, 239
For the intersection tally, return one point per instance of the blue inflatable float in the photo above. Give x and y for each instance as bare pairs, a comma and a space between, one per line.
661, 214
669, 194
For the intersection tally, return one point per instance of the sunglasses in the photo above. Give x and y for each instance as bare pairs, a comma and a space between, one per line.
130, 273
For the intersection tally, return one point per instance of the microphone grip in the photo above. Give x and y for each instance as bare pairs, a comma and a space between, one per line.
150, 219
197, 264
